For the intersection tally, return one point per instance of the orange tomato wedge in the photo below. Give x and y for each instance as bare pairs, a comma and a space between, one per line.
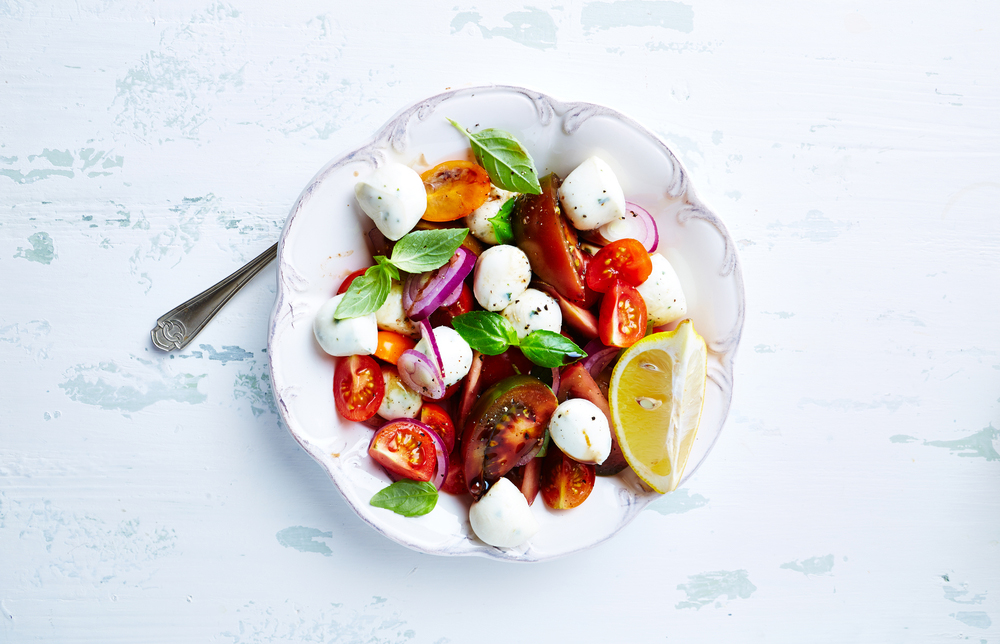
391, 345
454, 189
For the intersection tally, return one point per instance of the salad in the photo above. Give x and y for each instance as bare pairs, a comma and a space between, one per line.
512, 338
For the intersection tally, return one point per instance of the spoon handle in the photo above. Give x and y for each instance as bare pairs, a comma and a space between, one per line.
176, 328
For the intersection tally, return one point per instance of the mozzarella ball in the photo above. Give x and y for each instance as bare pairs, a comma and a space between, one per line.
456, 354
394, 197
662, 293
591, 195
502, 273
533, 310
392, 317
400, 401
581, 430
348, 337
503, 518
478, 220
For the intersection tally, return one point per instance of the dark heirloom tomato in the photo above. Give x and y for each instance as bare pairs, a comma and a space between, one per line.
505, 427
565, 483
623, 316
577, 318
454, 189
404, 448
527, 478
358, 388
509, 363
625, 260
576, 382
550, 243
445, 314
435, 417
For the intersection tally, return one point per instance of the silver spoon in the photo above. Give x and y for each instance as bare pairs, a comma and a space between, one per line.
176, 328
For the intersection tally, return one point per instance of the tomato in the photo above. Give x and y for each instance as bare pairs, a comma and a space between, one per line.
445, 314
454, 481
435, 417
509, 363
549, 241
625, 260
577, 318
565, 483
404, 448
346, 284
526, 478
454, 189
623, 316
505, 427
391, 345
358, 388
576, 382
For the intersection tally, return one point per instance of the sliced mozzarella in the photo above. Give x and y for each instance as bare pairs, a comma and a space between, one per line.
392, 317
352, 336
533, 310
591, 195
502, 517
456, 354
394, 197
400, 401
478, 220
580, 429
665, 301
502, 274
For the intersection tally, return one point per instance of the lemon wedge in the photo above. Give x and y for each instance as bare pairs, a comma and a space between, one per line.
657, 392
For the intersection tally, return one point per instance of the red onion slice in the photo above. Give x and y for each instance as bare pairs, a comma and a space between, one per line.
638, 224
597, 361
380, 243
428, 334
421, 374
457, 293
424, 293
555, 378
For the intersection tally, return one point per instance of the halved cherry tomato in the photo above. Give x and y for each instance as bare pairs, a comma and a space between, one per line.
358, 388
346, 284
454, 189
565, 483
445, 314
435, 417
576, 382
391, 345
625, 260
404, 448
509, 363
623, 316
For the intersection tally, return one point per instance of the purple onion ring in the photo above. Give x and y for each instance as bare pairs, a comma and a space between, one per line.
424, 293
420, 374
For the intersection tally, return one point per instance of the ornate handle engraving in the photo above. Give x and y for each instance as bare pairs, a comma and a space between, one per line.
176, 328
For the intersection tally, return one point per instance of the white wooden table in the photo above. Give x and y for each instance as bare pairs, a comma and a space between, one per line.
148, 149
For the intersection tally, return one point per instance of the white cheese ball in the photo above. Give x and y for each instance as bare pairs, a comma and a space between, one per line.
503, 518
591, 195
502, 273
478, 220
392, 317
662, 293
400, 401
394, 197
581, 430
456, 354
349, 337
533, 310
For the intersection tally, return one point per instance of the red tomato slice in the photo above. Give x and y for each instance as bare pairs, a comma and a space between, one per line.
625, 260
358, 387
404, 448
454, 189
623, 316
509, 363
435, 417
565, 483
526, 478
346, 284
454, 482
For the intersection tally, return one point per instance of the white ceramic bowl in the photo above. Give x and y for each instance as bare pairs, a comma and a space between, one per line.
323, 241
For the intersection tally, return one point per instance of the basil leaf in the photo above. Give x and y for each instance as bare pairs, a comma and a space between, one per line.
486, 332
425, 250
501, 223
406, 497
386, 265
366, 294
504, 158
550, 349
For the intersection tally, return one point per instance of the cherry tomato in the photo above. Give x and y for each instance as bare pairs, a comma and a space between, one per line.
526, 478
506, 425
391, 345
358, 388
346, 284
509, 363
625, 260
565, 483
541, 231
435, 417
454, 189
445, 314
623, 316
404, 448
576, 382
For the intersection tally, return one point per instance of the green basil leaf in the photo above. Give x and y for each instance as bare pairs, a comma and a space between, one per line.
386, 264
366, 294
486, 332
501, 223
406, 497
425, 250
505, 159
550, 349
